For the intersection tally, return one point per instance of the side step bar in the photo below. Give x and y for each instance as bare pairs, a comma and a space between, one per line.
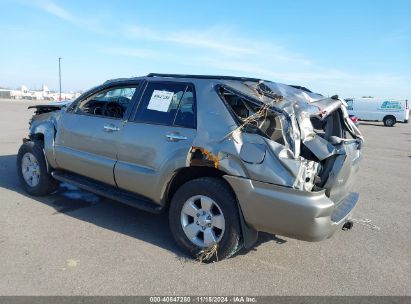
108, 191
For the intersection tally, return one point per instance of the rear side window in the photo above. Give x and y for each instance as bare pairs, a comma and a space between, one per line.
167, 104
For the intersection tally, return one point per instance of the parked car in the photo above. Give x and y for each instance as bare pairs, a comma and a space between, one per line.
389, 111
226, 157
355, 120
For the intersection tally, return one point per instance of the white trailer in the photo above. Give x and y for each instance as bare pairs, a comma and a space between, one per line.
390, 111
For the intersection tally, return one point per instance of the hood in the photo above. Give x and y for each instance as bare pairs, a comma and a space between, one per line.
50, 107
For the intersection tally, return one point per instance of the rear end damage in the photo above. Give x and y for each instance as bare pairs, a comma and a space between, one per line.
307, 137
291, 159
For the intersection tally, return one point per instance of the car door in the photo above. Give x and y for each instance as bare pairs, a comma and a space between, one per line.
157, 138
86, 141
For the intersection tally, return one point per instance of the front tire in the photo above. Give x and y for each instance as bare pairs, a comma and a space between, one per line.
32, 170
204, 219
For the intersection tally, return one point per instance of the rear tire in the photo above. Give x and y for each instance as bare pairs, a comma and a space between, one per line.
389, 121
189, 208
32, 170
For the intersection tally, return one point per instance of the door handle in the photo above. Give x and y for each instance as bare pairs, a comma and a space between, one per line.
175, 137
111, 128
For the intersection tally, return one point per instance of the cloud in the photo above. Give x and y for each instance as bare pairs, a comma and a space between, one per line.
52, 8
89, 23
313, 73
216, 39
402, 35
197, 39
226, 52
132, 52
220, 49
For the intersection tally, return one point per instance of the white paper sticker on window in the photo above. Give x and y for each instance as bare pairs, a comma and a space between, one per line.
160, 101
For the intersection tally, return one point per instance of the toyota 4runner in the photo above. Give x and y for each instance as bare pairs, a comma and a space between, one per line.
226, 157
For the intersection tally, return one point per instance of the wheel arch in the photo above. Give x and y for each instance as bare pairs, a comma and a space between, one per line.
186, 174
45, 131
389, 115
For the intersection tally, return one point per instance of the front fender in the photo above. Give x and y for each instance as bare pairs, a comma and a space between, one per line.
48, 131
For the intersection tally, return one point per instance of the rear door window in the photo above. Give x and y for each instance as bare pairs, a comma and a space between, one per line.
186, 114
167, 104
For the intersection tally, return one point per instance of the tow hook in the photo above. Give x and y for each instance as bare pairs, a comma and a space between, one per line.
348, 225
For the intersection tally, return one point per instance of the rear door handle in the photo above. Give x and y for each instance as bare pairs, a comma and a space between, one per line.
175, 137
111, 128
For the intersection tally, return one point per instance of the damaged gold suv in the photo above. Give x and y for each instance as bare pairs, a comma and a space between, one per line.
226, 157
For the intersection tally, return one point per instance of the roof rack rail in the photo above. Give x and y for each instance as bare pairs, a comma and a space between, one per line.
115, 79
300, 88
204, 77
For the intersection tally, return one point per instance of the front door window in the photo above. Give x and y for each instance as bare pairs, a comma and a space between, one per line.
112, 102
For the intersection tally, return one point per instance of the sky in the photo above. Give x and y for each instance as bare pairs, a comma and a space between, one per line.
349, 48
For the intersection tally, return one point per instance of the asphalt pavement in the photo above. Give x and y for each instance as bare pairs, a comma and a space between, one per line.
76, 243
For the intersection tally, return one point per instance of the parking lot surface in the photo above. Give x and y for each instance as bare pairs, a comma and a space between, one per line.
76, 243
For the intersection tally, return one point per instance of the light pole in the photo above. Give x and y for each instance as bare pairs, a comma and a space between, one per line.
60, 75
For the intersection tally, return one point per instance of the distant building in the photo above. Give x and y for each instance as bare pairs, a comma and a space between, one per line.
43, 94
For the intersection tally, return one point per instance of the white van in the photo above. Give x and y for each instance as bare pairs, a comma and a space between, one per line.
390, 111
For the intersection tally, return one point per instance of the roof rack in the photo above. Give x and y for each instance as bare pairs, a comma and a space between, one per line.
300, 88
204, 77
115, 79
